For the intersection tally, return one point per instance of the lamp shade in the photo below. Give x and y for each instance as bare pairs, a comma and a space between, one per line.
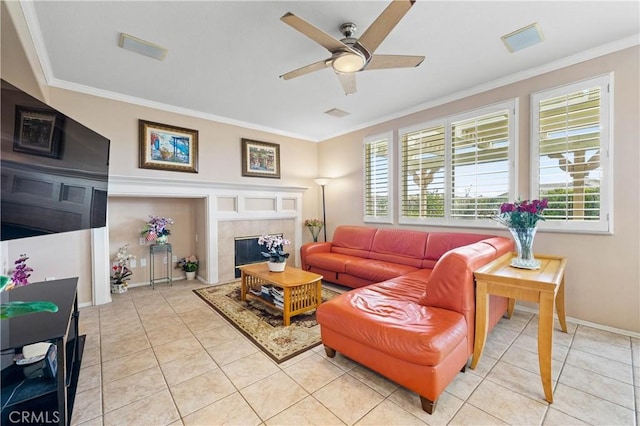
322, 181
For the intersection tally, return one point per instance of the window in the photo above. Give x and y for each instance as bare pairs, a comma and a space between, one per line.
458, 171
480, 165
570, 155
423, 163
377, 178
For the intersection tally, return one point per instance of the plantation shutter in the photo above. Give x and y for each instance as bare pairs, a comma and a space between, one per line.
377, 178
423, 178
479, 165
571, 154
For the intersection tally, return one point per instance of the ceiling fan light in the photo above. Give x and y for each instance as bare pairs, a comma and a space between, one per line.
348, 62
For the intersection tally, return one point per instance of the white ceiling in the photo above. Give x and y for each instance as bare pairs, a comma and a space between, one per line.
225, 57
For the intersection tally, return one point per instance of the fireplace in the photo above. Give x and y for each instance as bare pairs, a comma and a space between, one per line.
233, 231
247, 251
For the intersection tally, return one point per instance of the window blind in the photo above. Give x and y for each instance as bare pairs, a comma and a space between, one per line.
377, 178
423, 178
571, 155
479, 165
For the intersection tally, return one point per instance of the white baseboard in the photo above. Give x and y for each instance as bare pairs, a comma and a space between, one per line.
586, 323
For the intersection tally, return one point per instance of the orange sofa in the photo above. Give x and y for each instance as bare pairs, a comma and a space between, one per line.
411, 316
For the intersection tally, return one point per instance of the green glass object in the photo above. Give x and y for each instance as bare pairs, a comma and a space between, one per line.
5, 283
14, 309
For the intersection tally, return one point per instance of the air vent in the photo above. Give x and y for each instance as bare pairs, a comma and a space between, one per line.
142, 47
523, 38
338, 113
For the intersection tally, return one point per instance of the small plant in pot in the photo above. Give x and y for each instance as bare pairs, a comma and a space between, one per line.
188, 265
275, 251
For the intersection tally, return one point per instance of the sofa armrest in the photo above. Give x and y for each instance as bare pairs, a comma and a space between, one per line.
311, 248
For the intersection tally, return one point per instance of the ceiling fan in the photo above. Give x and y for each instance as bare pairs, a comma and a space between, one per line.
350, 55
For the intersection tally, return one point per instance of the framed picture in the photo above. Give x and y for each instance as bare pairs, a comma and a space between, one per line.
260, 159
37, 131
165, 147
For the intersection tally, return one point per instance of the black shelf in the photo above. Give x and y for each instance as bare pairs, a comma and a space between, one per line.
42, 400
32, 388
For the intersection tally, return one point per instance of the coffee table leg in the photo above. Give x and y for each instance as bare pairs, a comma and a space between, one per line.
319, 296
287, 307
243, 286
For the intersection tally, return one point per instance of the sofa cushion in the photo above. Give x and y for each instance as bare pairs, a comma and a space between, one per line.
386, 316
451, 283
353, 240
399, 246
335, 262
438, 243
377, 270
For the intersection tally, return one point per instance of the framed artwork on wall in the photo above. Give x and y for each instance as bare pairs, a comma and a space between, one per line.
164, 147
37, 131
260, 159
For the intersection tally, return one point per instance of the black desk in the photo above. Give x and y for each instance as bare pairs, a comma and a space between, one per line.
44, 400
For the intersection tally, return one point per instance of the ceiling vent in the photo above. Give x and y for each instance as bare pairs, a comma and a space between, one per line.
142, 47
523, 38
338, 113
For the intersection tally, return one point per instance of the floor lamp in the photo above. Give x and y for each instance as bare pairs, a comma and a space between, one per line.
323, 182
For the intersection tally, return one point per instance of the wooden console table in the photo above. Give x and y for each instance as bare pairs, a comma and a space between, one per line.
544, 286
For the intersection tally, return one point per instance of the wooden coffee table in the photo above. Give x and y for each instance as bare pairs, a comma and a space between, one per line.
302, 290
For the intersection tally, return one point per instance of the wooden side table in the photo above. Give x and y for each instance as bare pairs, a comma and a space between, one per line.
544, 286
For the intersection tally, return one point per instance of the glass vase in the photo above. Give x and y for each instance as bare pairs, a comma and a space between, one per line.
523, 238
315, 231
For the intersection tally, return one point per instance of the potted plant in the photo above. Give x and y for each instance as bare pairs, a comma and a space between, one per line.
275, 251
189, 265
156, 229
120, 272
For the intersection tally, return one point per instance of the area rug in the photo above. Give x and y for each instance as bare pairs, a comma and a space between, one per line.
263, 324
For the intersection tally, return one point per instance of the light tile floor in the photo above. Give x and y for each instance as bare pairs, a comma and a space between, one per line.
163, 357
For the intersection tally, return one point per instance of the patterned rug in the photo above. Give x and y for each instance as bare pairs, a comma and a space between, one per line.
263, 324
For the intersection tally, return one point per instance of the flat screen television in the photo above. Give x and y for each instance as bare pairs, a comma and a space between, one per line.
54, 169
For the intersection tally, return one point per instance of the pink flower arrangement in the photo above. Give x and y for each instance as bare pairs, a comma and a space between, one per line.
521, 214
156, 227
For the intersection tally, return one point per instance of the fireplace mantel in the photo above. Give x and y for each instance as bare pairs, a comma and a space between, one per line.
128, 185
224, 201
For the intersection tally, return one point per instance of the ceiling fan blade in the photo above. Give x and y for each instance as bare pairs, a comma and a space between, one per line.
314, 33
382, 26
348, 81
379, 62
316, 66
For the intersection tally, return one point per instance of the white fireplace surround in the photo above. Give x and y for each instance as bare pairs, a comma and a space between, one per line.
224, 201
